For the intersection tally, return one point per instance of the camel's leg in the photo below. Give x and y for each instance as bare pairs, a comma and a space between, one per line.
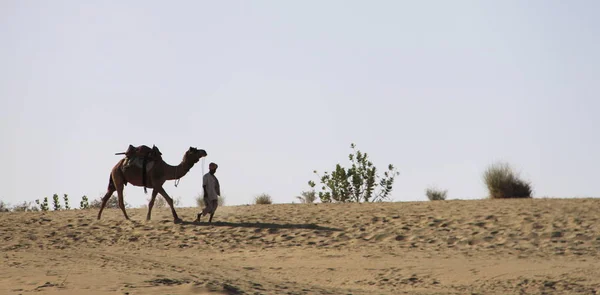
105, 199
121, 202
109, 191
162, 191
151, 204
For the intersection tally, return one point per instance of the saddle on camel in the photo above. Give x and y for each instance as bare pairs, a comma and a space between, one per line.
142, 157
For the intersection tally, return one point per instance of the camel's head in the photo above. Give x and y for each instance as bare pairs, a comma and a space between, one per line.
193, 155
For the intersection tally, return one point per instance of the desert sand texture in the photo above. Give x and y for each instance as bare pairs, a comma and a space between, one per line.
524, 246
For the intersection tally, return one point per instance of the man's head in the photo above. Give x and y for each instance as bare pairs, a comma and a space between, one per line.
212, 167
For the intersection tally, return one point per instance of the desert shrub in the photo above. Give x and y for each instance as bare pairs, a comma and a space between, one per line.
161, 202
502, 182
66, 199
56, 202
113, 202
4, 207
357, 183
95, 204
25, 207
43, 205
307, 197
200, 201
263, 199
434, 194
84, 203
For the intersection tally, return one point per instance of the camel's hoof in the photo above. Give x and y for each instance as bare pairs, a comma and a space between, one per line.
178, 220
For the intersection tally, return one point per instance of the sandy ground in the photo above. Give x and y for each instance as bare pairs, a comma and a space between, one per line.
539, 246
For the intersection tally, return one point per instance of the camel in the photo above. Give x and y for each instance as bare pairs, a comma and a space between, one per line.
158, 172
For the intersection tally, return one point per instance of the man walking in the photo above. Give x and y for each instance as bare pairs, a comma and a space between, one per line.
212, 191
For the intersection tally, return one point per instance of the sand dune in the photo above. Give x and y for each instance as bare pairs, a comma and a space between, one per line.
539, 246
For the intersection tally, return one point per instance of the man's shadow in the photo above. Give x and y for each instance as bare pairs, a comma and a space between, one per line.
262, 225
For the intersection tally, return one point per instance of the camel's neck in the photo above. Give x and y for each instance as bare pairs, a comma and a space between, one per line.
179, 171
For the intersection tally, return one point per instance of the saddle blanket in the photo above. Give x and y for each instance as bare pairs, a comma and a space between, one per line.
138, 162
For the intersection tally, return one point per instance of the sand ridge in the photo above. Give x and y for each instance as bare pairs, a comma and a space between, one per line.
442, 247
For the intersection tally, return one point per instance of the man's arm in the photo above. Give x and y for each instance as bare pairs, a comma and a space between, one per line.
217, 186
204, 182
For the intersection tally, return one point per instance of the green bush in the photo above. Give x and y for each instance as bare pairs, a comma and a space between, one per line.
502, 182
43, 205
84, 203
263, 199
434, 194
66, 199
56, 202
357, 183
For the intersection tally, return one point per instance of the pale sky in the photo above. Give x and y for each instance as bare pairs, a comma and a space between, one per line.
273, 90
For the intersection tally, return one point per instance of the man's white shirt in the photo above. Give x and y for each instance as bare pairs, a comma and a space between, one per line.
211, 186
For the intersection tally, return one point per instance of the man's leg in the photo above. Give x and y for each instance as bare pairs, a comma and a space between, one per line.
203, 212
207, 204
206, 210
215, 204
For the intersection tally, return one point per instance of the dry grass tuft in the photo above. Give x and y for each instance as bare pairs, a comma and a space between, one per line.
503, 183
434, 194
263, 199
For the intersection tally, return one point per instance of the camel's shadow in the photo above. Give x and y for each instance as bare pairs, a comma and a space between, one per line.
262, 225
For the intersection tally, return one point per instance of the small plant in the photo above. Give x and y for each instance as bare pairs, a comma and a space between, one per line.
113, 203
84, 203
25, 207
95, 204
4, 207
161, 202
44, 205
263, 199
66, 198
56, 202
358, 183
434, 194
502, 182
307, 197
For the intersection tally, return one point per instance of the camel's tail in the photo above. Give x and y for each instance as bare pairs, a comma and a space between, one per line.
111, 184
144, 162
